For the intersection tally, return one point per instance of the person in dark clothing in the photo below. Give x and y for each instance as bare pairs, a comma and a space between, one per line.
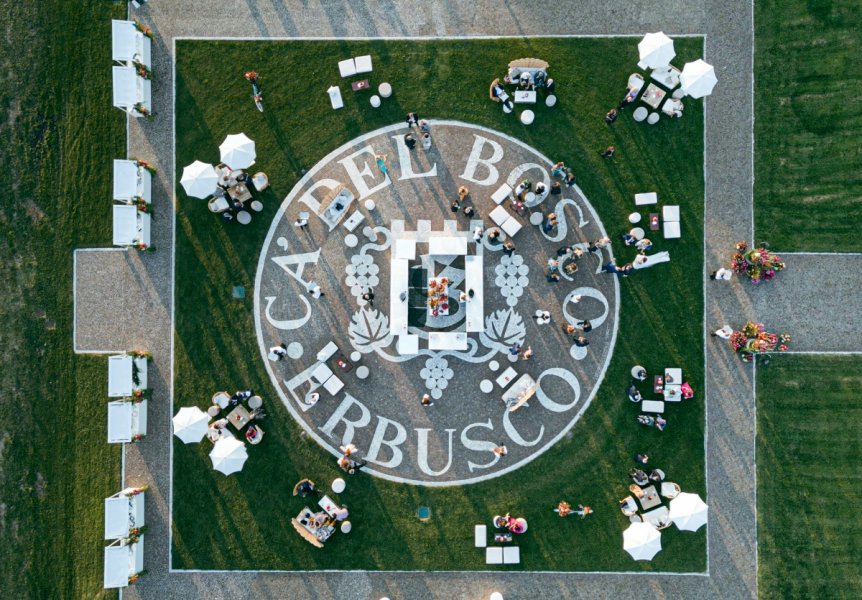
585, 325
581, 341
609, 152
412, 119
409, 141
611, 116
369, 297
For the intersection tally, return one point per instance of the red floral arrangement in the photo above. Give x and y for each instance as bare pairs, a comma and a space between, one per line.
758, 264
753, 339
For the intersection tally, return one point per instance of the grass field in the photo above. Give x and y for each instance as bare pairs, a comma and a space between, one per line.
808, 75
58, 134
809, 439
242, 522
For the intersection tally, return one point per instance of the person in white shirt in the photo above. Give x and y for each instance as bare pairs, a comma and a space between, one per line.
724, 333
721, 274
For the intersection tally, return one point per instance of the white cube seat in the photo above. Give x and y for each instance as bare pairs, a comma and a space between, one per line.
511, 226
501, 194
670, 213
408, 344
347, 68
333, 385
493, 555
363, 64
511, 555
671, 230
499, 215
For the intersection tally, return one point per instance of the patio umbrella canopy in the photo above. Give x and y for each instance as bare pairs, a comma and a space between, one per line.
688, 512
237, 151
642, 541
656, 50
228, 455
698, 78
199, 179
190, 424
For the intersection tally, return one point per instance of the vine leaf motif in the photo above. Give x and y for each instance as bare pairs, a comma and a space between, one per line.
502, 329
369, 329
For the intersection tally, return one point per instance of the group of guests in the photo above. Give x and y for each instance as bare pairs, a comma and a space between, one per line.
218, 428
306, 487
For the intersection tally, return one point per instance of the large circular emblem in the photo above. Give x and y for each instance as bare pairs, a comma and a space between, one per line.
428, 337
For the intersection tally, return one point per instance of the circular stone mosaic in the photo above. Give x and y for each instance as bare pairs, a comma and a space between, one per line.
395, 298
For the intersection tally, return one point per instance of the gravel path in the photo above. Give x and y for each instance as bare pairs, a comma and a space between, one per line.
730, 413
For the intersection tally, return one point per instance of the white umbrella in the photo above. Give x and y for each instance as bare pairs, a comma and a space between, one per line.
698, 78
237, 151
190, 424
199, 179
642, 541
228, 455
688, 512
656, 50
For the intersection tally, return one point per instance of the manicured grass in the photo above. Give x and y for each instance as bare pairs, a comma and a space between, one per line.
58, 134
243, 522
809, 439
808, 122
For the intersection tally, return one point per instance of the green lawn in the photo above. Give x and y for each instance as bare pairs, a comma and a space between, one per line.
242, 522
808, 122
809, 440
58, 134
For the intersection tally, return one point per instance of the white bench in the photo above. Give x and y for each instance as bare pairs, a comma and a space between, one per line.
347, 68
670, 213
652, 406
511, 555
335, 97
399, 269
405, 248
474, 280
493, 555
671, 230
447, 340
480, 536
363, 64
500, 215
333, 385
327, 352
505, 220
646, 198
447, 246
511, 227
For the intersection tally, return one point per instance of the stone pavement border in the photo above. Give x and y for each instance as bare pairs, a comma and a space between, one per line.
730, 409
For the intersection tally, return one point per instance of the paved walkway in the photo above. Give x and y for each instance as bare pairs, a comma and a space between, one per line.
730, 414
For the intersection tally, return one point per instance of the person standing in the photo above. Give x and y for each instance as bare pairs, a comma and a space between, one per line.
368, 296
276, 353
528, 353
301, 223
609, 152
412, 119
515, 350
721, 274
586, 325
426, 400
315, 290
501, 451
581, 341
